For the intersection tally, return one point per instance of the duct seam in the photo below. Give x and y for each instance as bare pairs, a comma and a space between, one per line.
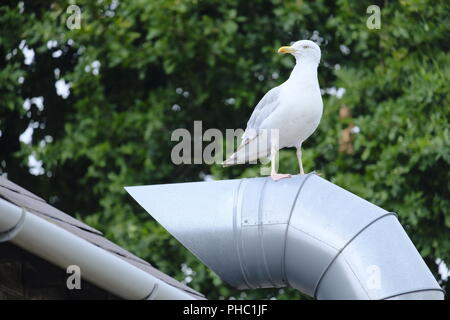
152, 295
283, 261
260, 233
313, 237
11, 233
343, 248
414, 291
353, 272
237, 230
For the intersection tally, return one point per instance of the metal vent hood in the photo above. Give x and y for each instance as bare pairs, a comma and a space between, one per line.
303, 232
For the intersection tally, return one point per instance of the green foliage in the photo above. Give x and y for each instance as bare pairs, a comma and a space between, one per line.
114, 128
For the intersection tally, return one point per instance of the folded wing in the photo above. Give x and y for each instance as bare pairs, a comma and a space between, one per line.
254, 144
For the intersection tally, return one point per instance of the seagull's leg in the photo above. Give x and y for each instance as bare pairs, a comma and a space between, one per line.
273, 174
299, 157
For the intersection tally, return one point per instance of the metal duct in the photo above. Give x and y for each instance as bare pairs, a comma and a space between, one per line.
303, 232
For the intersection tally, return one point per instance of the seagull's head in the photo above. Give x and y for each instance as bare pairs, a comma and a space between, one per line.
303, 50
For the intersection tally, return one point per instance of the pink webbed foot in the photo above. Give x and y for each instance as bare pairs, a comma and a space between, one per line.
279, 176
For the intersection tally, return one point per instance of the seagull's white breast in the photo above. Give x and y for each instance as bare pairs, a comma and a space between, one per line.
299, 113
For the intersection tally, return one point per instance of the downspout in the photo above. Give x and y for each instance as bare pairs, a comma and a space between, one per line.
303, 232
62, 248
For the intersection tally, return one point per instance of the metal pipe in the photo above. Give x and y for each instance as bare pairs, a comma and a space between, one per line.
55, 244
303, 232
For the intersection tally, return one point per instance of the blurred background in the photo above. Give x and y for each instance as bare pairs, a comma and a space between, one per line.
86, 111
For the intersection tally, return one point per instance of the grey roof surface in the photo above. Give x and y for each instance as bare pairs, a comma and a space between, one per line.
38, 206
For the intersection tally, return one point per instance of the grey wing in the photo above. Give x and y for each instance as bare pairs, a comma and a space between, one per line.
263, 109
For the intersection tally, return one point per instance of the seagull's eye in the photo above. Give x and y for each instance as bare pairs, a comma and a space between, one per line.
304, 47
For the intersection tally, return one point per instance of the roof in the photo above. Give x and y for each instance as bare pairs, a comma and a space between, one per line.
38, 206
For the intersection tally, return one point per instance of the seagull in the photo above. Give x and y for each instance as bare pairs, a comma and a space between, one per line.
287, 114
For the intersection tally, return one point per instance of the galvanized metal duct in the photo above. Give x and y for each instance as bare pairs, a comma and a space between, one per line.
303, 232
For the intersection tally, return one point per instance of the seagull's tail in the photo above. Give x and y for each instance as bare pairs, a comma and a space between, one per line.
249, 152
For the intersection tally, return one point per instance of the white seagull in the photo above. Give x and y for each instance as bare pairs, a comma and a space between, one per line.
287, 115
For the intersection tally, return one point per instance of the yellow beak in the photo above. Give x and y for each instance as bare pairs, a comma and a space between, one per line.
286, 49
